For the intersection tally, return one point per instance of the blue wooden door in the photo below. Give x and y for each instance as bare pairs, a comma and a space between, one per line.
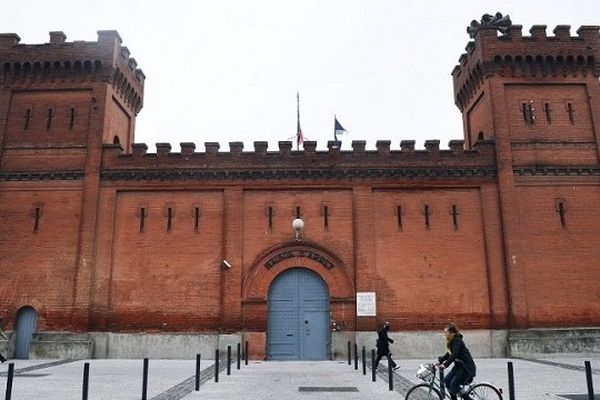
298, 317
26, 326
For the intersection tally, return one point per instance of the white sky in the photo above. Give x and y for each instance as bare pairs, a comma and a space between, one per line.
228, 70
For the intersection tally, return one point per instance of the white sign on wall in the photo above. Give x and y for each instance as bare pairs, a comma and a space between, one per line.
366, 305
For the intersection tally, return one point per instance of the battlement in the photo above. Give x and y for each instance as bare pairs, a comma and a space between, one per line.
538, 55
105, 60
482, 155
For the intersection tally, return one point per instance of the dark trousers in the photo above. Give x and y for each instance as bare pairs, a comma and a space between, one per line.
389, 357
455, 378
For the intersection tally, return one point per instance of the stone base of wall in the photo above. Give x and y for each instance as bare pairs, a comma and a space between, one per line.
530, 343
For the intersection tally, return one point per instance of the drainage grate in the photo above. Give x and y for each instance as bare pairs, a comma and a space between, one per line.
328, 389
578, 396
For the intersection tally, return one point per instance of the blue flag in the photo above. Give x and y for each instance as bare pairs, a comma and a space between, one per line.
338, 129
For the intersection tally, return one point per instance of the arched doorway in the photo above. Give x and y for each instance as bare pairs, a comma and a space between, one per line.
25, 327
298, 316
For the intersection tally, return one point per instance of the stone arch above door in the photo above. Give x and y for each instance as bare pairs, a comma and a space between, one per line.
288, 255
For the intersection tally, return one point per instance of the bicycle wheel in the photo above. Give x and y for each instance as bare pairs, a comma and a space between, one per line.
484, 391
423, 391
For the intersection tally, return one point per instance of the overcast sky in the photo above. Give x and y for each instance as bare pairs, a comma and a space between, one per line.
224, 71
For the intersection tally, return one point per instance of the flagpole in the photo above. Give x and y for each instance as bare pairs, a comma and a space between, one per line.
298, 112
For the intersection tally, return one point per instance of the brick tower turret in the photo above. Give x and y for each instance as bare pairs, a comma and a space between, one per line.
538, 98
59, 103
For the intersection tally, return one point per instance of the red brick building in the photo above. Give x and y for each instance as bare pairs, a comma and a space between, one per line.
108, 251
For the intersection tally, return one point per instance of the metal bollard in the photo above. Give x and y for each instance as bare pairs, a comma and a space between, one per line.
511, 381
355, 356
145, 380
9, 380
246, 354
197, 387
228, 360
349, 354
239, 346
217, 365
86, 380
373, 371
442, 383
390, 376
364, 360
588, 378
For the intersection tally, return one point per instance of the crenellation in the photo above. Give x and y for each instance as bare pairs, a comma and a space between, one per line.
57, 38
138, 150
236, 148
260, 147
8, 40
515, 32
285, 148
562, 32
163, 149
383, 147
187, 148
310, 147
538, 32
334, 146
407, 146
589, 33
432, 146
212, 148
358, 146
456, 146
132, 64
470, 47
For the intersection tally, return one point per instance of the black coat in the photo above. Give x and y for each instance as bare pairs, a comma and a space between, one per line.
459, 355
383, 341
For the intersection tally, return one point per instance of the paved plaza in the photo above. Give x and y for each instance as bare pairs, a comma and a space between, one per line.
174, 379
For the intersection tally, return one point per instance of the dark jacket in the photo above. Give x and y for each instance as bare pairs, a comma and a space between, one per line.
459, 355
383, 341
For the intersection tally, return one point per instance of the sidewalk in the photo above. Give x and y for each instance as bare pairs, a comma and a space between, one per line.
174, 379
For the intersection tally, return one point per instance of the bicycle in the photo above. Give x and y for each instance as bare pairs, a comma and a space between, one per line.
431, 390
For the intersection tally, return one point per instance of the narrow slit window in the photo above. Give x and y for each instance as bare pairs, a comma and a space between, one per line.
426, 214
143, 214
270, 217
297, 211
571, 111
326, 217
561, 210
37, 213
49, 117
196, 219
528, 113
399, 217
71, 118
27, 121
169, 218
548, 111
455, 214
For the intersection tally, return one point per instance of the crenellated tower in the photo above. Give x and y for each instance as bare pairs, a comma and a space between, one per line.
68, 94
538, 98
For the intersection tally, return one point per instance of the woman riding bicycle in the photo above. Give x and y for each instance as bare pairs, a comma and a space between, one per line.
464, 368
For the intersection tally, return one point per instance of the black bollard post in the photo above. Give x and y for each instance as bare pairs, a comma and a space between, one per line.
86, 380
373, 371
145, 380
364, 360
239, 347
9, 380
588, 377
390, 376
511, 381
349, 354
228, 360
246, 354
197, 387
442, 383
217, 365
355, 356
